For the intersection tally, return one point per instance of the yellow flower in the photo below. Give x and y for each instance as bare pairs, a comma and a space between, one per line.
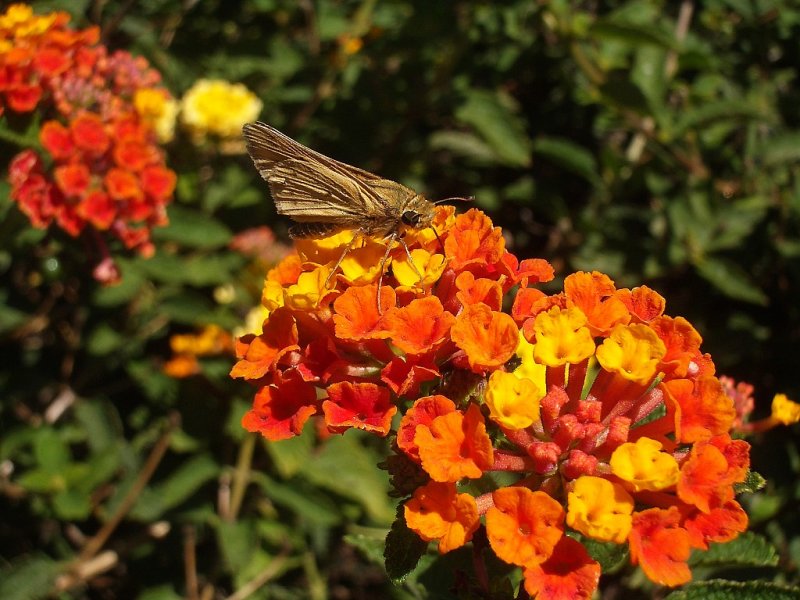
321, 251
430, 266
784, 410
600, 509
528, 367
632, 351
271, 295
309, 289
218, 107
512, 402
20, 20
562, 337
361, 265
643, 466
158, 109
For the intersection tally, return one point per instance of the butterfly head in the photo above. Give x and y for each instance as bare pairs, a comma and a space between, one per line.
418, 213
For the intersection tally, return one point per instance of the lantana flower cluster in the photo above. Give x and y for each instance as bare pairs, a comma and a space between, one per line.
102, 114
600, 408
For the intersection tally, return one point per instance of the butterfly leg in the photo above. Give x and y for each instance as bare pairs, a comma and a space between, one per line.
411, 260
389, 243
341, 258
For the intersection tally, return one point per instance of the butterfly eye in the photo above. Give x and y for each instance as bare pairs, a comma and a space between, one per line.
411, 218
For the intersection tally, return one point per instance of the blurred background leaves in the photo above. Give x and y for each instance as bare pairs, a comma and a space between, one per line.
655, 141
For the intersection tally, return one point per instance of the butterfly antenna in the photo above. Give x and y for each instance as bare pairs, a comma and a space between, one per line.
438, 239
455, 199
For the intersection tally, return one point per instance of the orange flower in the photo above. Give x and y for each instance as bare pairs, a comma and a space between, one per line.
681, 341
257, 354
405, 374
437, 512
287, 271
361, 405
455, 445
702, 409
418, 327
595, 294
280, 412
424, 411
643, 303
721, 524
473, 240
122, 184
707, 476
357, 315
472, 291
181, 366
524, 526
488, 338
660, 545
569, 573
528, 303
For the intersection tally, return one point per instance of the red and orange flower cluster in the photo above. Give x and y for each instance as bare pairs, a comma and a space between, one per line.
102, 166
603, 409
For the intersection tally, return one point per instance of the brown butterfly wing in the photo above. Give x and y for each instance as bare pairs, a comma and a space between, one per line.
310, 186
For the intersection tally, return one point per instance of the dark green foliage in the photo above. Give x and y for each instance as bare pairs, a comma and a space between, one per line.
604, 136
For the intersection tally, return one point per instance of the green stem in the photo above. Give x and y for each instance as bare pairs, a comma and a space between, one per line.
241, 476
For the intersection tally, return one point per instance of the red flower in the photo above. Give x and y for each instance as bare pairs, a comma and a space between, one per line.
89, 134
280, 411
57, 140
158, 182
360, 405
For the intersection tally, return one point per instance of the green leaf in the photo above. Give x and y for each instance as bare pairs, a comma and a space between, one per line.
28, 578
610, 556
10, 318
175, 489
495, 118
632, 33
782, 148
312, 505
52, 453
238, 541
127, 289
748, 550
463, 143
104, 340
347, 468
403, 551
193, 229
371, 547
731, 280
290, 455
752, 483
160, 592
721, 110
72, 505
569, 155
718, 589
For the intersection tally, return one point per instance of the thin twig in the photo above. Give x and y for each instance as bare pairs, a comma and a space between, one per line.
156, 454
241, 477
272, 569
190, 563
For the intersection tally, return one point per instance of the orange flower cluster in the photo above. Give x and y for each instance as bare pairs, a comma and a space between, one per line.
212, 340
601, 408
102, 166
